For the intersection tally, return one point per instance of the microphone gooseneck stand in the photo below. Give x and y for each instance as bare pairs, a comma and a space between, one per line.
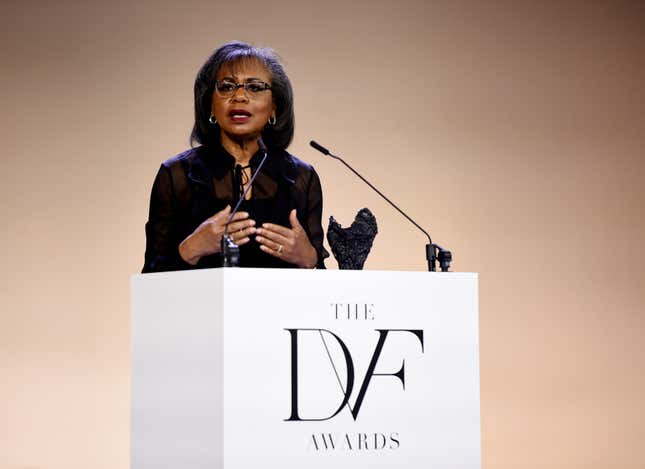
230, 250
434, 252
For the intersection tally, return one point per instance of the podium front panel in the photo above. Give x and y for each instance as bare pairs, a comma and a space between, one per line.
241, 368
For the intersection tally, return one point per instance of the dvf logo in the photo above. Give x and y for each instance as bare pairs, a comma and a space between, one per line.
349, 365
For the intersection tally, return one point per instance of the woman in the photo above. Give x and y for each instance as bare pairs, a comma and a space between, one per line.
241, 94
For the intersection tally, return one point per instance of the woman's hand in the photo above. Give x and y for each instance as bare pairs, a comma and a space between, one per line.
289, 244
207, 237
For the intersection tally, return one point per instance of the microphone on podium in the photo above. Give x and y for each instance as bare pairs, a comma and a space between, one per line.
434, 252
230, 250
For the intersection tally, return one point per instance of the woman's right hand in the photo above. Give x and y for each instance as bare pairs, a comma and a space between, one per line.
206, 238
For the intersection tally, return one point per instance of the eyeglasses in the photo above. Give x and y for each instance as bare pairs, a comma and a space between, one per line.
227, 88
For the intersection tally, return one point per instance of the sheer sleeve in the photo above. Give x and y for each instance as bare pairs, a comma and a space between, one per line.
162, 243
313, 222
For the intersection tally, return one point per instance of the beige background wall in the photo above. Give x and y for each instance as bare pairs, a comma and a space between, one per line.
512, 129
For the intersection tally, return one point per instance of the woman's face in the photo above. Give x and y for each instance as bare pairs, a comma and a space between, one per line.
243, 114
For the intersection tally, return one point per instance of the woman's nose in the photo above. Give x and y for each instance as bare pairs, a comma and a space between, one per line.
240, 95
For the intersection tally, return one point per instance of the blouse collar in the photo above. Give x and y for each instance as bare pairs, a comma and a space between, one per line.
215, 160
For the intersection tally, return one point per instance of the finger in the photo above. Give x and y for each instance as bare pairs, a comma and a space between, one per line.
243, 241
293, 219
240, 216
220, 219
269, 243
241, 234
273, 252
240, 225
263, 233
281, 230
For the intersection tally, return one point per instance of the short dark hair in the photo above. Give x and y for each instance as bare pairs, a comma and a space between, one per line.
231, 53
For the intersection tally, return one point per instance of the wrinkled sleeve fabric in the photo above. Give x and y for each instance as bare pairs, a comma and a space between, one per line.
162, 243
313, 221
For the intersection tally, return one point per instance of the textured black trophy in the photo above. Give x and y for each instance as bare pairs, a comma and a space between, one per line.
351, 245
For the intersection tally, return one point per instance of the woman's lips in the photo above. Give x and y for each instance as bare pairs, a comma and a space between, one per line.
239, 116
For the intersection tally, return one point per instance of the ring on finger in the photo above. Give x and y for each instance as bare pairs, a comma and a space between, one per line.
279, 249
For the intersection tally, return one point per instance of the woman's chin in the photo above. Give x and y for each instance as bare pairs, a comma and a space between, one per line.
238, 134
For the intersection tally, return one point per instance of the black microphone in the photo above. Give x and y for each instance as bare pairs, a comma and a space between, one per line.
444, 256
230, 250
320, 148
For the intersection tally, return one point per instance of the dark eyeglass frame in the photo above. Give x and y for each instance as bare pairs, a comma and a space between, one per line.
250, 87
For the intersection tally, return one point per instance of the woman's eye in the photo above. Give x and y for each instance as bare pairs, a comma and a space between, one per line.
255, 87
226, 87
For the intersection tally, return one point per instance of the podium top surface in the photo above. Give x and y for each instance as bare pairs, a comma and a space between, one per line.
337, 272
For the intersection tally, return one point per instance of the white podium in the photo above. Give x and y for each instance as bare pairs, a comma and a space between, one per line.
250, 368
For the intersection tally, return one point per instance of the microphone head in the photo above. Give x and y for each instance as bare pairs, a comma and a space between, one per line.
261, 145
319, 147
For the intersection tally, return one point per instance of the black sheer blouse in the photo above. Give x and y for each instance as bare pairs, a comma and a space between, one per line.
196, 184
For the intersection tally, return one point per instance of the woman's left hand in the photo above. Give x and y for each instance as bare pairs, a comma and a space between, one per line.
289, 244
